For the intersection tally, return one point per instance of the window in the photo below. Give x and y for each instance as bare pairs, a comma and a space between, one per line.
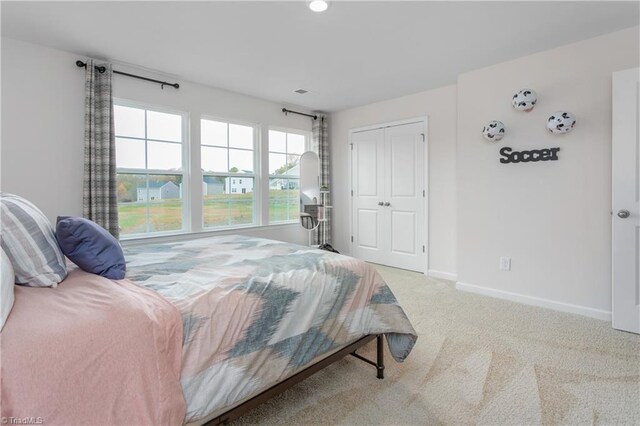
150, 170
285, 149
228, 168
153, 170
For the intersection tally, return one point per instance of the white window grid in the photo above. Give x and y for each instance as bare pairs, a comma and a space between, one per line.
254, 175
146, 172
307, 139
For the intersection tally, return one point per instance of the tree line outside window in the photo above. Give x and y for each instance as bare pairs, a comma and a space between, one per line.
152, 172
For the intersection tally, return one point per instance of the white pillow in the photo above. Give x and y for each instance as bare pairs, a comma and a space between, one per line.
6, 287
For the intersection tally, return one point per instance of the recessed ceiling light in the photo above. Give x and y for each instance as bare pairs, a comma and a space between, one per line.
301, 91
318, 5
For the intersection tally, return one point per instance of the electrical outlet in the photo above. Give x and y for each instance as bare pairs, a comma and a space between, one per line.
505, 263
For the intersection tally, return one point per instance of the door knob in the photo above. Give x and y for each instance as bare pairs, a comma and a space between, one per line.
623, 214
380, 203
387, 204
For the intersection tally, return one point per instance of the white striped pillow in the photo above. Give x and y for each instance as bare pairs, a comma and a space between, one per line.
30, 243
7, 284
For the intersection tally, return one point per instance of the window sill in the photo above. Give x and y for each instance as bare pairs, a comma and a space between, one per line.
184, 235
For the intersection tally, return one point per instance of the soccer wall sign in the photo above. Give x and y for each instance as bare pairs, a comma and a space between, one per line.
510, 156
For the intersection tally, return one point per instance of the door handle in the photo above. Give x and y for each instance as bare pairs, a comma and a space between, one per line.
623, 214
387, 204
380, 203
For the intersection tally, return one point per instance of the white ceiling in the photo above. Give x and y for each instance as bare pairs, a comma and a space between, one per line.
353, 54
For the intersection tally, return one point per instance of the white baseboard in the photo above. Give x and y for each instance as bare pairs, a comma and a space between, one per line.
442, 275
536, 301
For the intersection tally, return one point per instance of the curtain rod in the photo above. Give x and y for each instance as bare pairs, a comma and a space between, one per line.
100, 69
287, 111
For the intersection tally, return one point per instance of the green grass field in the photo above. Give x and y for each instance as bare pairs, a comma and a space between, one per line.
218, 211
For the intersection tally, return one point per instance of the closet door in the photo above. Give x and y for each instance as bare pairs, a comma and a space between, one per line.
387, 167
404, 196
367, 168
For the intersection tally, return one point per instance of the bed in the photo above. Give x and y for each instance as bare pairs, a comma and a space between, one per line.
91, 351
255, 315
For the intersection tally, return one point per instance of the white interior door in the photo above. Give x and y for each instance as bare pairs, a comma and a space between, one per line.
626, 201
404, 196
367, 165
387, 167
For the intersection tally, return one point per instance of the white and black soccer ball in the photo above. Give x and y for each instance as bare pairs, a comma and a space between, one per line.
493, 131
524, 100
561, 122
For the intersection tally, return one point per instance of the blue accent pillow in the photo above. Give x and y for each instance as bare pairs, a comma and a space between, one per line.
91, 247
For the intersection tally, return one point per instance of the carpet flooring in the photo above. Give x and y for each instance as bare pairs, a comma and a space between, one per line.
478, 360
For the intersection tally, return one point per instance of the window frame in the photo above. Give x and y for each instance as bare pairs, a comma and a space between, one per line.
185, 162
307, 144
257, 175
192, 196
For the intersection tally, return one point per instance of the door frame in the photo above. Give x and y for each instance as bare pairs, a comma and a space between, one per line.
424, 238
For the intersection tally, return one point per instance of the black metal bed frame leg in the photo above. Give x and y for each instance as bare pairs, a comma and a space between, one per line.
380, 358
379, 363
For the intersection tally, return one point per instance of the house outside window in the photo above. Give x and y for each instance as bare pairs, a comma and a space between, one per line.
285, 149
154, 169
228, 152
150, 169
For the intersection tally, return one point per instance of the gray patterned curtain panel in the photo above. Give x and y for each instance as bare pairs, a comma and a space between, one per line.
321, 141
100, 203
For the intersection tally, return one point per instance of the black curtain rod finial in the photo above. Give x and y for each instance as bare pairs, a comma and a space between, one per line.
102, 69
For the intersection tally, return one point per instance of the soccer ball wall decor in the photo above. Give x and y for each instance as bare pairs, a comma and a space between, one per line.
561, 122
493, 131
524, 100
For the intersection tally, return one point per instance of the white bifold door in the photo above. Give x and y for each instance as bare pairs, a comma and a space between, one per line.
626, 201
388, 196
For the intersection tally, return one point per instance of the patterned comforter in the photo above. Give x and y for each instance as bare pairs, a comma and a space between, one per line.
249, 303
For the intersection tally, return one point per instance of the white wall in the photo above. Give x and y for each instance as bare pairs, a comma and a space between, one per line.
43, 124
440, 107
552, 218
42, 127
